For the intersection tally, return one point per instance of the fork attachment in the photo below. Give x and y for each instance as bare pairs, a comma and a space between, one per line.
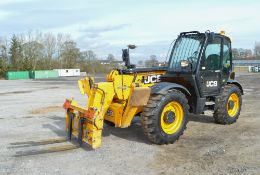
86, 123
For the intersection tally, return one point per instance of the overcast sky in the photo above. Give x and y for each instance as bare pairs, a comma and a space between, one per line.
106, 26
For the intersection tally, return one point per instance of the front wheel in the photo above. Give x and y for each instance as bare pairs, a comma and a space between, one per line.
228, 105
164, 118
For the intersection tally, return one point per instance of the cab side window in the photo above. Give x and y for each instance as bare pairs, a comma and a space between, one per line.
226, 57
212, 55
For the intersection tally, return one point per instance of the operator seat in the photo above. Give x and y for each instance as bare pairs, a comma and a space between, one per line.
212, 62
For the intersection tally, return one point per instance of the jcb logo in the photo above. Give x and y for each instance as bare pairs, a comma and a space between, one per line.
212, 83
151, 79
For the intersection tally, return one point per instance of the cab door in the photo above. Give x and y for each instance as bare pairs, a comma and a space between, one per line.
211, 68
227, 61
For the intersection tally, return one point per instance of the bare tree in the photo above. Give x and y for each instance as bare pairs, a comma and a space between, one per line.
111, 57
140, 63
235, 53
33, 49
257, 49
248, 53
3, 56
60, 40
152, 62
4, 49
49, 45
70, 54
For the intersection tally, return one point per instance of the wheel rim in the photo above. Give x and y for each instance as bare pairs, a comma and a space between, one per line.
172, 117
233, 105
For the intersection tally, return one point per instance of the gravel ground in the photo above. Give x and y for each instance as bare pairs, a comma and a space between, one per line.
32, 137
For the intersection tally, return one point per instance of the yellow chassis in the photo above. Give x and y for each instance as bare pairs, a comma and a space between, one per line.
117, 100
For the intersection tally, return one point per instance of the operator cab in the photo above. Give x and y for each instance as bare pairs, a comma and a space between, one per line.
201, 62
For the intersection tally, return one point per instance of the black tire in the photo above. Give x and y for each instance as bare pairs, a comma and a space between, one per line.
221, 115
69, 132
151, 117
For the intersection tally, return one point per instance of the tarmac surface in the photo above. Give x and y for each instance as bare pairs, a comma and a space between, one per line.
33, 137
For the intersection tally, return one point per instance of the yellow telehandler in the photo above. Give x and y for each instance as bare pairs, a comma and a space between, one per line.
198, 77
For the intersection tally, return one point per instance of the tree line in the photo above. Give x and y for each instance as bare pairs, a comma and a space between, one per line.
38, 51
241, 53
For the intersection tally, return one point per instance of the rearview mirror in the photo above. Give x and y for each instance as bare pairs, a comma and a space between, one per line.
125, 57
131, 46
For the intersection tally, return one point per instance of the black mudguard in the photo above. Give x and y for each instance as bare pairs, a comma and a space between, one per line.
235, 82
163, 87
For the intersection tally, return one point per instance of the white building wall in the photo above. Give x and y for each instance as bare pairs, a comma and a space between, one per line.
76, 72
68, 72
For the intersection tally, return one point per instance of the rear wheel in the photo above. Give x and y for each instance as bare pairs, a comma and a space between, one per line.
165, 117
228, 105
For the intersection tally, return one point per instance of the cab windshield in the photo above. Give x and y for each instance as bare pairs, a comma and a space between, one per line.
187, 48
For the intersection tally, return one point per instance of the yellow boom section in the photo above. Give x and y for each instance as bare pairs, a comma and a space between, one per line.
118, 100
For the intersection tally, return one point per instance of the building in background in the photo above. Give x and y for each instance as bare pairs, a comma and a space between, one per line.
240, 53
246, 63
243, 66
115, 62
68, 72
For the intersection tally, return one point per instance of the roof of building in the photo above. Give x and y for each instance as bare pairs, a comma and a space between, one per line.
246, 61
108, 61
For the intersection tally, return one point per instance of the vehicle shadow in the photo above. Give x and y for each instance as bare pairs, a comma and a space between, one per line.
132, 133
135, 131
201, 118
49, 145
57, 126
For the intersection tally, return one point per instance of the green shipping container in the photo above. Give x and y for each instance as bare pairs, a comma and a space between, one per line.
39, 74
17, 75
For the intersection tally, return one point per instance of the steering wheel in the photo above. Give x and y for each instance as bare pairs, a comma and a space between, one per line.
193, 57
